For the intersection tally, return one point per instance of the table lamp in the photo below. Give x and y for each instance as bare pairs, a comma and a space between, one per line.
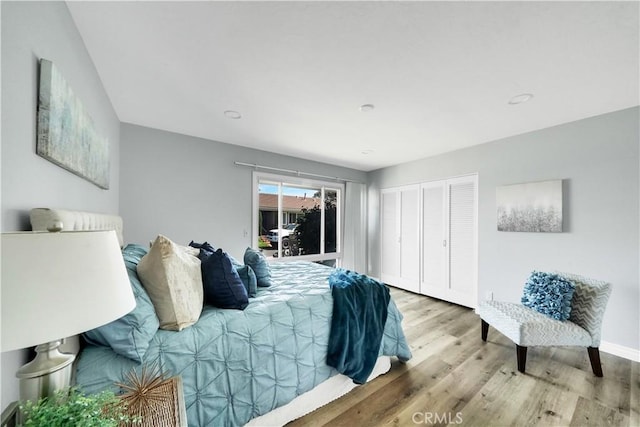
55, 285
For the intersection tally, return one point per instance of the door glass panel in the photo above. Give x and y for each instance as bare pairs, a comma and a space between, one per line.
296, 220
267, 216
330, 220
307, 231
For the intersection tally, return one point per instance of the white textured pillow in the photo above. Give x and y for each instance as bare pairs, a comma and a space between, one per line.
171, 275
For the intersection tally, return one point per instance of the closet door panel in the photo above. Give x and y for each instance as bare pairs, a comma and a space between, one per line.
390, 262
434, 238
462, 241
410, 239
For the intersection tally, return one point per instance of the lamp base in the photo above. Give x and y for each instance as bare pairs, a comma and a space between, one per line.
47, 373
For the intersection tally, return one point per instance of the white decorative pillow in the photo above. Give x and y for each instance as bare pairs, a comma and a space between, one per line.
171, 275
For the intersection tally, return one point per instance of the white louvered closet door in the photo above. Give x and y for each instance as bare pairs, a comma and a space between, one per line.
400, 237
410, 238
462, 240
434, 240
389, 239
449, 236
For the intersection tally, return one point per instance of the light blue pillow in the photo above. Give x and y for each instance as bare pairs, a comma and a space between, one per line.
248, 278
130, 335
549, 294
258, 262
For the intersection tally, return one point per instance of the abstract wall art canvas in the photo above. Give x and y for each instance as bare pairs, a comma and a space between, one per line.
66, 133
535, 206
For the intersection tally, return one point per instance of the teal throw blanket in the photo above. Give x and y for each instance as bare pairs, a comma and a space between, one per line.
357, 324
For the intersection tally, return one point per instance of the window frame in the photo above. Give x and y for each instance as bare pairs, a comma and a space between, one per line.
283, 181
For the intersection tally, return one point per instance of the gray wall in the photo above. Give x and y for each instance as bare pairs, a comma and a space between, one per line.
598, 159
33, 30
190, 189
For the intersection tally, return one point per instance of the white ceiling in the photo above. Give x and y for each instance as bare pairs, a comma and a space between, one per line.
440, 74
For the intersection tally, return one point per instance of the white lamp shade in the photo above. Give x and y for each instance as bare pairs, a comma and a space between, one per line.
55, 285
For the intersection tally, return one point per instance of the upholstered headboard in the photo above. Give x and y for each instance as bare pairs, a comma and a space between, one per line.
43, 219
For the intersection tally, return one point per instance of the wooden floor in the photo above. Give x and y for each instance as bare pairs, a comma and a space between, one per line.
455, 378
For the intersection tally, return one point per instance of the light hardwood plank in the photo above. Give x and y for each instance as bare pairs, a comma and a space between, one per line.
634, 395
593, 414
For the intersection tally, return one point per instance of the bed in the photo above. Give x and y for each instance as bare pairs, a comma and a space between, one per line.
264, 365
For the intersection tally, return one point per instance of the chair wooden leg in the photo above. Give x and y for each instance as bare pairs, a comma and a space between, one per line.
522, 357
594, 357
485, 330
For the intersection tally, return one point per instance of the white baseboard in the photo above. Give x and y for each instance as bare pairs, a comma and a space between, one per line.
620, 350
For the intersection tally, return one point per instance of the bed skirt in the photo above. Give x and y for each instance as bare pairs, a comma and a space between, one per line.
324, 393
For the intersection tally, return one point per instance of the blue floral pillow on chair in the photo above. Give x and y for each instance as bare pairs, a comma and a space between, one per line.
549, 294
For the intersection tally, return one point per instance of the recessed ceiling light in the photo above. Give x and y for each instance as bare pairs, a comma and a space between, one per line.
230, 114
519, 99
367, 107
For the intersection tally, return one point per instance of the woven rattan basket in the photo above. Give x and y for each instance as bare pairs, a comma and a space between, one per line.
167, 410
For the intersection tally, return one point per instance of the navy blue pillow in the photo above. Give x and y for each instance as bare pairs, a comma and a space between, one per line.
549, 294
248, 278
206, 246
223, 287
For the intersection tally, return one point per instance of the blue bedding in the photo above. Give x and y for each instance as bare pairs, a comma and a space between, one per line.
237, 365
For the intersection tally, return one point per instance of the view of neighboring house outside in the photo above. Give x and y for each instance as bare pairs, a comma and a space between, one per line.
292, 208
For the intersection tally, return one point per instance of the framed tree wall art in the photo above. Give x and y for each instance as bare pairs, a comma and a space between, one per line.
66, 134
533, 207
